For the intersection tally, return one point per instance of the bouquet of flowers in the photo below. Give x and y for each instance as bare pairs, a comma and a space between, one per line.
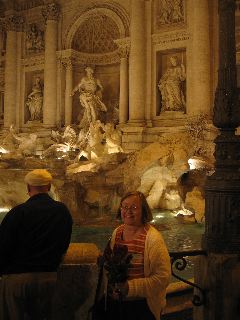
116, 263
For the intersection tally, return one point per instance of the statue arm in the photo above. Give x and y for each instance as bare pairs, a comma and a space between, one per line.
182, 73
99, 85
31, 94
75, 89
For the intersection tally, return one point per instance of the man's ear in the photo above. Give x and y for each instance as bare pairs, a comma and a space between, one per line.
49, 187
28, 188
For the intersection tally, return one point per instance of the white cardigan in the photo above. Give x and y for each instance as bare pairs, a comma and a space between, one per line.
157, 271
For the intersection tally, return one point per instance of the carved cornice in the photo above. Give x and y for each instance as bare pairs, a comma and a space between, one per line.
14, 23
30, 4
33, 61
164, 39
79, 58
51, 11
123, 47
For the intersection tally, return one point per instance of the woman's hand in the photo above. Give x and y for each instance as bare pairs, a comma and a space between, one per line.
120, 289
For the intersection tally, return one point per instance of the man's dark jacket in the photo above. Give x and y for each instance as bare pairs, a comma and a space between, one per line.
34, 236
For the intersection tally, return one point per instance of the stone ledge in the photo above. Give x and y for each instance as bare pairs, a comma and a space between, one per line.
81, 253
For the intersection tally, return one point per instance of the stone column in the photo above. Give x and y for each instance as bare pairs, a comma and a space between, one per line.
1, 39
137, 64
68, 90
51, 14
148, 107
201, 85
19, 106
220, 269
13, 22
123, 48
59, 114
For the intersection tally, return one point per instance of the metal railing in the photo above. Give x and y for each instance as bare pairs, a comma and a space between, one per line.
179, 262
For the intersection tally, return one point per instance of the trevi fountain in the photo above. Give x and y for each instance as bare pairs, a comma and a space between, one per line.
110, 96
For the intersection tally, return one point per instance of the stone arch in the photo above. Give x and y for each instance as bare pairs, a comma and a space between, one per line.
113, 13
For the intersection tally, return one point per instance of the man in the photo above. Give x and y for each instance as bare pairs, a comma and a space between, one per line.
33, 239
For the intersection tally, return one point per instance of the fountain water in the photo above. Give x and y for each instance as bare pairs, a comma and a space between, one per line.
92, 188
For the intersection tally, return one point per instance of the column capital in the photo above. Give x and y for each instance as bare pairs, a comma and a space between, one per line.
14, 23
123, 47
67, 63
51, 11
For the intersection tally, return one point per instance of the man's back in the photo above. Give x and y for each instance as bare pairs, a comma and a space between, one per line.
34, 236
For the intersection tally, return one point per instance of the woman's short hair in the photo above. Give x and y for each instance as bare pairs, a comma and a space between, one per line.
146, 211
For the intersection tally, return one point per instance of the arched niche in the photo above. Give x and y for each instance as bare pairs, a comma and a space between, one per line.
118, 24
91, 37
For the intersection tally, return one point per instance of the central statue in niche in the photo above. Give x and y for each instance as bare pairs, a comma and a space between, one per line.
90, 95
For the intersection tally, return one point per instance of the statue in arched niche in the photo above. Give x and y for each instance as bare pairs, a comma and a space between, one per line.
35, 100
90, 96
170, 86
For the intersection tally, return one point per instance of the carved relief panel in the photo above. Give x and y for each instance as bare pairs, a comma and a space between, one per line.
34, 39
169, 12
171, 81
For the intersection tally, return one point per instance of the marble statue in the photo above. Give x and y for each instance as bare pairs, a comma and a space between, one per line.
69, 137
90, 90
9, 143
27, 145
112, 138
34, 39
99, 140
35, 101
63, 142
18, 145
170, 86
95, 146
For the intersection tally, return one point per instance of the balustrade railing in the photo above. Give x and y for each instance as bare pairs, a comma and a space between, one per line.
179, 262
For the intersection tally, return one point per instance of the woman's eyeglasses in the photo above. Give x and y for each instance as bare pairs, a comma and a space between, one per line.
126, 208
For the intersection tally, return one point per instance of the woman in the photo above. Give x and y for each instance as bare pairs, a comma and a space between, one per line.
143, 294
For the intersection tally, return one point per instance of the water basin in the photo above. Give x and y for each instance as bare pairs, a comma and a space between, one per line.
177, 235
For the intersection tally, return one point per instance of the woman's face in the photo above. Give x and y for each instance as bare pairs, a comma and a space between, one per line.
131, 211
